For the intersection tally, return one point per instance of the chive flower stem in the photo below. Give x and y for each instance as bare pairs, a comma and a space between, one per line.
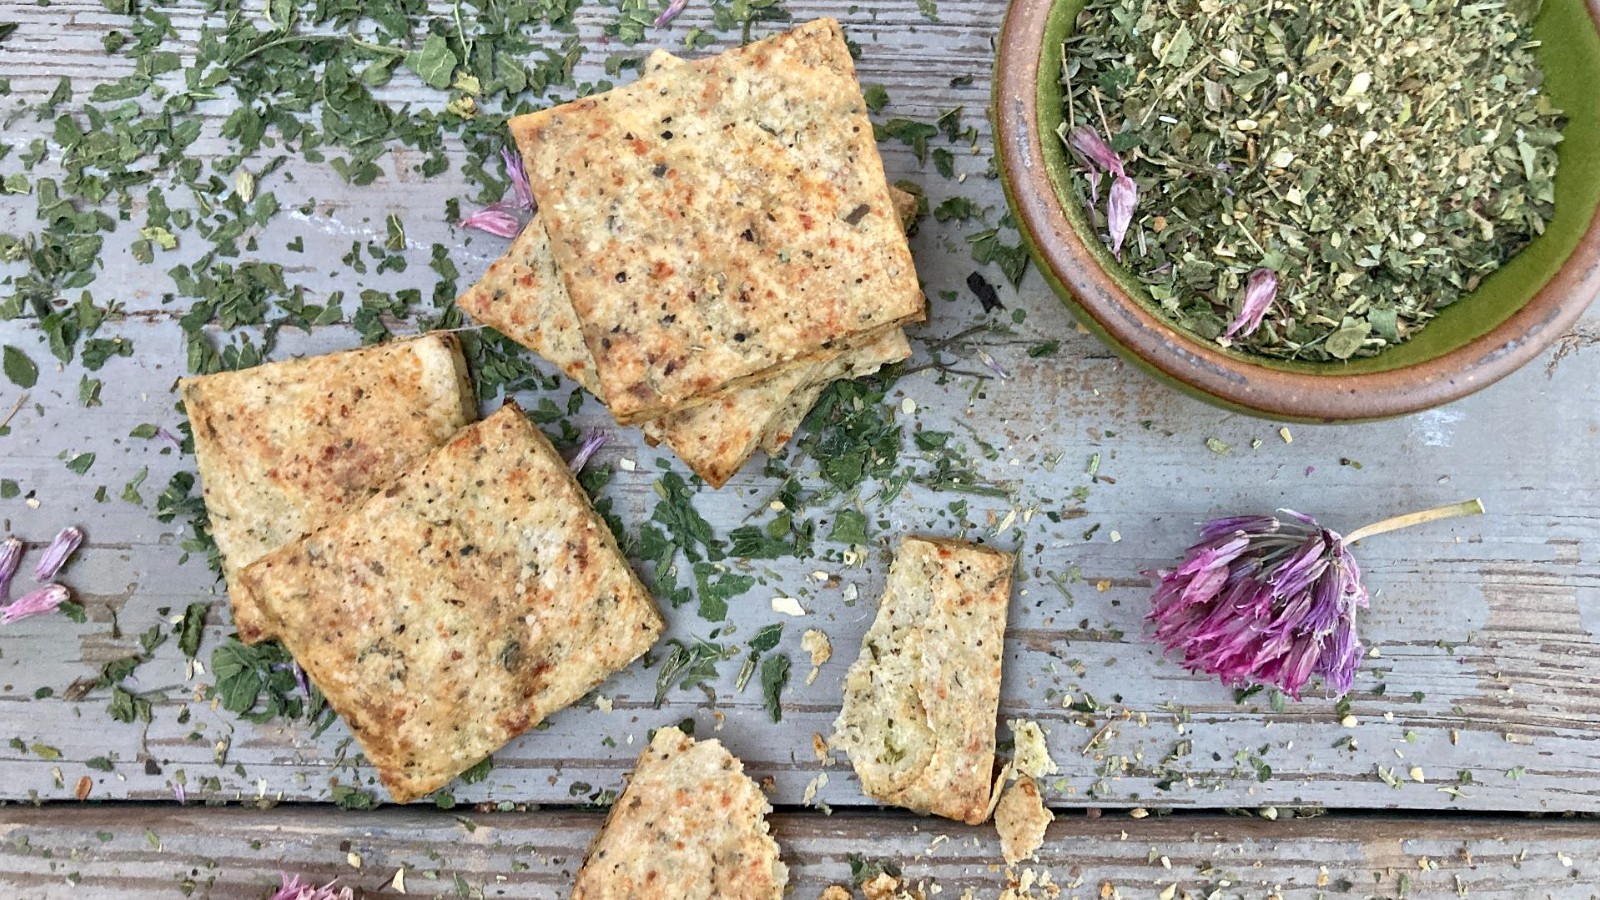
1473, 507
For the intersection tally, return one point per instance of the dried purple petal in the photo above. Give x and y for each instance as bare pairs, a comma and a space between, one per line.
301, 680
295, 889
671, 12
1260, 289
10, 560
520, 190
57, 554
496, 218
1341, 657
33, 603
1264, 600
179, 793
592, 442
1123, 198
168, 436
991, 365
1087, 143
1227, 526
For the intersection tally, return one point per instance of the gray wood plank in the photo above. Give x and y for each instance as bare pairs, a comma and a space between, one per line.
1491, 620
142, 852
1485, 629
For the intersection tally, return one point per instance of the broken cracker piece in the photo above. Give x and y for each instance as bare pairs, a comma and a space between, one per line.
285, 447
689, 824
921, 700
460, 606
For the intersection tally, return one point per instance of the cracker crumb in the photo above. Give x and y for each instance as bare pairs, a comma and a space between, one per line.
886, 887
817, 644
835, 892
820, 647
1021, 820
1032, 754
1007, 772
817, 784
1029, 884
819, 746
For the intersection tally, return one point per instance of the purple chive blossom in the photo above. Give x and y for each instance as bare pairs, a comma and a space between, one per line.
295, 889
592, 442
166, 435
179, 793
10, 560
57, 554
1260, 289
1119, 211
1264, 600
33, 603
1087, 143
671, 12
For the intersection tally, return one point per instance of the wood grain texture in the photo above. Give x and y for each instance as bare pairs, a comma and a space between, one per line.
1485, 630
134, 853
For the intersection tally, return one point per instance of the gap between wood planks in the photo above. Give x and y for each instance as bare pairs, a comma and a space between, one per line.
1106, 813
153, 850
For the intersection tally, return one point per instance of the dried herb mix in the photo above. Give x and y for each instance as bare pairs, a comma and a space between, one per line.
1378, 159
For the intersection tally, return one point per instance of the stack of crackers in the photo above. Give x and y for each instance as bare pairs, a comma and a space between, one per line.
446, 584
714, 245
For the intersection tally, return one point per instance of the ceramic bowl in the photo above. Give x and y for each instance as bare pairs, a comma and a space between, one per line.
1512, 317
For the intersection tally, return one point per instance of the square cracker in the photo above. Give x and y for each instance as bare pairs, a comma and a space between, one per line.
714, 220
920, 702
461, 605
285, 447
689, 824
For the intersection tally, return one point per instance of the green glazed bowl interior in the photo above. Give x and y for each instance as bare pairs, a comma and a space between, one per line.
1569, 53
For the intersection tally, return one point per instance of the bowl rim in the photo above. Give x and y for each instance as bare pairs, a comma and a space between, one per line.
1159, 346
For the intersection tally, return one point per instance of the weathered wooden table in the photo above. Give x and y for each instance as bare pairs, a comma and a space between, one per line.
1472, 735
